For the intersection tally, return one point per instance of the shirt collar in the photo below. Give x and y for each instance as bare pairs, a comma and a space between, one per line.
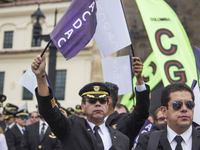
41, 122
186, 135
20, 128
11, 125
102, 126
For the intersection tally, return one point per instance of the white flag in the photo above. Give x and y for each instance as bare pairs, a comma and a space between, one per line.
111, 32
197, 104
118, 70
23, 107
28, 80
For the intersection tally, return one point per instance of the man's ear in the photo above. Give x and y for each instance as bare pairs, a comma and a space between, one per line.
163, 109
109, 100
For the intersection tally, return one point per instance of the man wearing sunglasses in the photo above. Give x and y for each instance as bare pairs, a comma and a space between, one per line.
159, 118
14, 135
38, 135
177, 106
75, 132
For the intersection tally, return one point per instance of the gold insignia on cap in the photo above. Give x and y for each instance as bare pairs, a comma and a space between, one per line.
91, 96
102, 96
24, 110
96, 88
69, 109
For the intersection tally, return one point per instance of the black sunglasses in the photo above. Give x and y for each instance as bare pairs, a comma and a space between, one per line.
24, 117
161, 118
34, 117
178, 104
101, 101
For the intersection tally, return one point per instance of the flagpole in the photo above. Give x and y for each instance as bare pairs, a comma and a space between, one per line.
46, 47
128, 30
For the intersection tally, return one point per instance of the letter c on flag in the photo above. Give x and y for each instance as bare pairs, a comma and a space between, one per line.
61, 39
158, 35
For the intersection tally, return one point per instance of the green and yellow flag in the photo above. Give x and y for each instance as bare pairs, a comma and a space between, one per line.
173, 55
169, 42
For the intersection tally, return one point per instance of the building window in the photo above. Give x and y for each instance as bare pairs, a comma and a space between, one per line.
36, 43
27, 95
60, 84
1, 82
8, 39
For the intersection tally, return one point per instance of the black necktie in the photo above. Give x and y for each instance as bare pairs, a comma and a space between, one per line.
178, 139
99, 140
23, 130
42, 131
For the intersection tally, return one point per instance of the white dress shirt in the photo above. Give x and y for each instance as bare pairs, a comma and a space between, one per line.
40, 126
140, 88
104, 134
3, 144
187, 138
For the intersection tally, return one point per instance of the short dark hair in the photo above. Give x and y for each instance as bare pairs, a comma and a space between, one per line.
118, 105
113, 92
174, 87
155, 114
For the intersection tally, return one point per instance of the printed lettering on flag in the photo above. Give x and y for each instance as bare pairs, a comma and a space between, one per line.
169, 42
76, 28
112, 32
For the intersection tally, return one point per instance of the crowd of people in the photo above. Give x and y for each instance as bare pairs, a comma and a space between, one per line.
99, 122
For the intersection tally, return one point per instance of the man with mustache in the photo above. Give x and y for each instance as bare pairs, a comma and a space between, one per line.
75, 132
177, 106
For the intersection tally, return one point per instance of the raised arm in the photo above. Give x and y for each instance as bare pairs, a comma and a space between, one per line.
38, 67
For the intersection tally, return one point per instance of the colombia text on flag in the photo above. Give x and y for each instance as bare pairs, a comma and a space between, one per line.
76, 28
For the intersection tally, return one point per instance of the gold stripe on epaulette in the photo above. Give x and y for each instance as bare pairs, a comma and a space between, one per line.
150, 95
53, 103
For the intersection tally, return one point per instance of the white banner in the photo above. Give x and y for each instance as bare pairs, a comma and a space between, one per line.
111, 32
118, 70
197, 104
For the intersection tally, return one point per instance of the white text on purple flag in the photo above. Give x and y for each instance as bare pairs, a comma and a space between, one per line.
76, 28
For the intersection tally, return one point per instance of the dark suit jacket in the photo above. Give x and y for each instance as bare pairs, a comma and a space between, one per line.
31, 139
131, 123
164, 143
74, 132
14, 138
3, 125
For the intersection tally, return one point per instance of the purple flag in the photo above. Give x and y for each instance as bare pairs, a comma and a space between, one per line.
76, 28
147, 127
197, 58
